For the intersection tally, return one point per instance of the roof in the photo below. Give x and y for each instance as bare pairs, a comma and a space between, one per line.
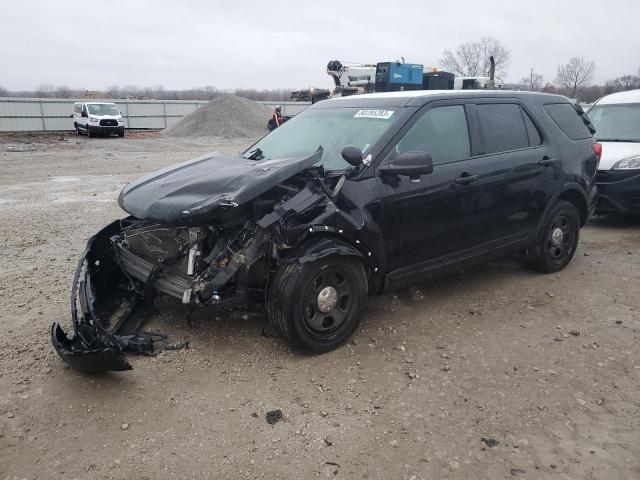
420, 97
630, 96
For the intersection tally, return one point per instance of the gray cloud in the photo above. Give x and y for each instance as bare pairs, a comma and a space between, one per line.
288, 43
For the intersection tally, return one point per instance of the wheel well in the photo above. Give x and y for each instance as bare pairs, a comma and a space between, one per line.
575, 197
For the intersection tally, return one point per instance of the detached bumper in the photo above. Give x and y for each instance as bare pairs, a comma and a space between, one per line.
87, 356
92, 347
619, 191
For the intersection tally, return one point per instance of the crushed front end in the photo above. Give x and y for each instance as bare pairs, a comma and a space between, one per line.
220, 260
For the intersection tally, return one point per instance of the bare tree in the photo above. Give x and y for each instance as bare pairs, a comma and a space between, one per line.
532, 82
471, 59
44, 90
4, 92
590, 94
130, 91
113, 91
62, 92
622, 84
575, 75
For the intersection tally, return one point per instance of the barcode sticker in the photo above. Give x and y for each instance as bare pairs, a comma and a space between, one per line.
384, 114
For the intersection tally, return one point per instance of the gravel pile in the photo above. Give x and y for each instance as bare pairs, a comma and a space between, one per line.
224, 116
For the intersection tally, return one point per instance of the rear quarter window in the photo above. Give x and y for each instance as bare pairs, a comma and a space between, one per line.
567, 118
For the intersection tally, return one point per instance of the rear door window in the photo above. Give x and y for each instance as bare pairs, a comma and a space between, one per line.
534, 135
503, 127
567, 118
442, 132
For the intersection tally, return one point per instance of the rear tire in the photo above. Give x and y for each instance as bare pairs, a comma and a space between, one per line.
317, 305
121, 133
557, 241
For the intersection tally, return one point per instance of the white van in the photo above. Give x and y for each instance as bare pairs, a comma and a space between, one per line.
97, 117
617, 121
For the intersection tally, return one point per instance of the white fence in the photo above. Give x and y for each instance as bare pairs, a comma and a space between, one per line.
52, 114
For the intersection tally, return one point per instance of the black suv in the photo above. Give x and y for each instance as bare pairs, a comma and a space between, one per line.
352, 197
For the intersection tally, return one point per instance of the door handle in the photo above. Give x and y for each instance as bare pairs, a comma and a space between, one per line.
546, 161
466, 179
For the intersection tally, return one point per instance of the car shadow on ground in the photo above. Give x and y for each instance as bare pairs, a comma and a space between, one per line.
614, 222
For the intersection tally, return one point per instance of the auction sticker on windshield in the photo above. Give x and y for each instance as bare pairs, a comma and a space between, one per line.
384, 114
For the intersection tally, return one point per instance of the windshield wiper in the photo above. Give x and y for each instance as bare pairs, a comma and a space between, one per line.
256, 154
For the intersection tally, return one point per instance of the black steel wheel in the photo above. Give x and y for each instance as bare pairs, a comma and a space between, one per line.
558, 239
317, 305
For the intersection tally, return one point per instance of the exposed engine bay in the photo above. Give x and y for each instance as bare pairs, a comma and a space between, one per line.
221, 258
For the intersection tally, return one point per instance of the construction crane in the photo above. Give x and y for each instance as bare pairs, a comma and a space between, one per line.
352, 78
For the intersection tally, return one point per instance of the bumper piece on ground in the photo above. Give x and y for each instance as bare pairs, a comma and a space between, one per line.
88, 356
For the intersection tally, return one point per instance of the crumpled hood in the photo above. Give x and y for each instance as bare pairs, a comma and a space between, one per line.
190, 191
613, 152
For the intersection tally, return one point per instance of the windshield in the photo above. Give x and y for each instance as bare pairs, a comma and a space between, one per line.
616, 123
103, 109
331, 128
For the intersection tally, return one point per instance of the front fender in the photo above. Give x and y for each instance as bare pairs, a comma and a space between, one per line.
323, 248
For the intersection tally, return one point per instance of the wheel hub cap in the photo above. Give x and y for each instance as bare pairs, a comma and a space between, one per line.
557, 236
327, 299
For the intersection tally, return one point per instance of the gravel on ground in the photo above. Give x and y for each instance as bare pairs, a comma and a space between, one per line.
497, 372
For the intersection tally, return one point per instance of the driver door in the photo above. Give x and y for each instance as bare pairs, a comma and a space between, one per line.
438, 218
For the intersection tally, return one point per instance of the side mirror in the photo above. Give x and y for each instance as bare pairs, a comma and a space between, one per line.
353, 155
409, 164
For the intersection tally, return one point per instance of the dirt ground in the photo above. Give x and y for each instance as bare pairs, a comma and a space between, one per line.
547, 366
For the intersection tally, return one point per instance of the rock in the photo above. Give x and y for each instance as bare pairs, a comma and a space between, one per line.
517, 471
274, 416
124, 426
454, 464
575, 333
328, 441
10, 415
489, 442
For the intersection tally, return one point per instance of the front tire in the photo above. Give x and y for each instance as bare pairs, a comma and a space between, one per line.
557, 241
317, 305
88, 130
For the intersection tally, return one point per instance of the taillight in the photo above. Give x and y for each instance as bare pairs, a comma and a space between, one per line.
597, 149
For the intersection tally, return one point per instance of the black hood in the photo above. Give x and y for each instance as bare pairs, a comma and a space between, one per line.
191, 191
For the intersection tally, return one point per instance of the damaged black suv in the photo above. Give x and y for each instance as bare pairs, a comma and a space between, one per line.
352, 197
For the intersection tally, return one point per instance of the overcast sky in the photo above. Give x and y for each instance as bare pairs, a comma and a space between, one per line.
283, 43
